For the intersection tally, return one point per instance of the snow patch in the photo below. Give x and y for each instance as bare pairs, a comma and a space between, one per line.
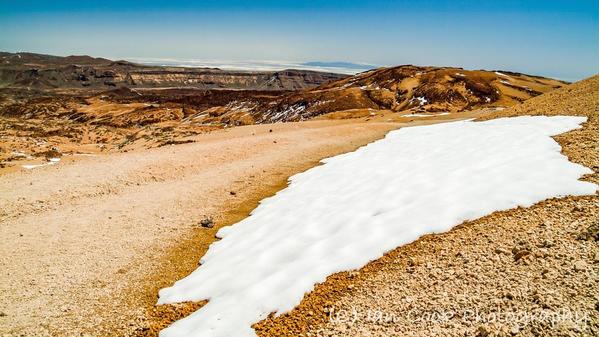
289, 112
421, 100
359, 205
501, 74
19, 154
32, 166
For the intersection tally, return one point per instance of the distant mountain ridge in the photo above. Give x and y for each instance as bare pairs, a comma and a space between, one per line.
29, 70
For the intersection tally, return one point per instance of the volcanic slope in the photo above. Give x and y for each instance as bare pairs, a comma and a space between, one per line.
407, 88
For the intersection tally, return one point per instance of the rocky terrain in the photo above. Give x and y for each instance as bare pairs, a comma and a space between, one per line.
90, 241
523, 272
28, 70
38, 125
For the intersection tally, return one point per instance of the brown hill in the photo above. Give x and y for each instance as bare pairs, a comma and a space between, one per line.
409, 88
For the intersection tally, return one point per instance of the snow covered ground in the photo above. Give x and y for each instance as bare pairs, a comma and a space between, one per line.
359, 205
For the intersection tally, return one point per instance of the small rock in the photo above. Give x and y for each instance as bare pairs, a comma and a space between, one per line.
580, 266
483, 331
519, 254
232, 193
590, 234
2, 314
207, 222
501, 251
547, 244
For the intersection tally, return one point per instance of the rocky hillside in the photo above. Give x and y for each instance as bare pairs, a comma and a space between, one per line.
407, 88
27, 70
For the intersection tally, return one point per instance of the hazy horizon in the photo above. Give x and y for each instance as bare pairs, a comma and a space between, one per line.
547, 38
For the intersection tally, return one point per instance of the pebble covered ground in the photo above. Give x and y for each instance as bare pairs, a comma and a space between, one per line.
523, 272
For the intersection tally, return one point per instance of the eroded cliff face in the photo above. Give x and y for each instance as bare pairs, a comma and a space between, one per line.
215, 79
25, 70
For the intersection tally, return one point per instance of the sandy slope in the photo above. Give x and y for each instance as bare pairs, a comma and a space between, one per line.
87, 244
486, 277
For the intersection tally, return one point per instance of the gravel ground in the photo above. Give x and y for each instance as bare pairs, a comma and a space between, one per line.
86, 245
523, 272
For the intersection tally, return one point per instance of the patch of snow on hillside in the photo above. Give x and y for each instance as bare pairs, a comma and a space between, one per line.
421, 100
319, 103
32, 166
341, 215
288, 113
242, 106
501, 74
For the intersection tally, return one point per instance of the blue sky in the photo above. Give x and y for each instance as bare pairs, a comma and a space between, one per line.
552, 38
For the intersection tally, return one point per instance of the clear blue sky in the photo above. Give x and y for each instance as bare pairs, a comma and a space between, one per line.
553, 38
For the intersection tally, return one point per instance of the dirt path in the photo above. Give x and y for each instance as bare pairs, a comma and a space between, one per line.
87, 244
83, 242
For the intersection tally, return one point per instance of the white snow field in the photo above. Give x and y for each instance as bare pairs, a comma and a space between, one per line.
359, 205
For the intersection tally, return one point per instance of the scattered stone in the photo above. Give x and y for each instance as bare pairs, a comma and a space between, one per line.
483, 331
207, 222
520, 253
580, 266
2, 314
590, 234
233, 193
501, 251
